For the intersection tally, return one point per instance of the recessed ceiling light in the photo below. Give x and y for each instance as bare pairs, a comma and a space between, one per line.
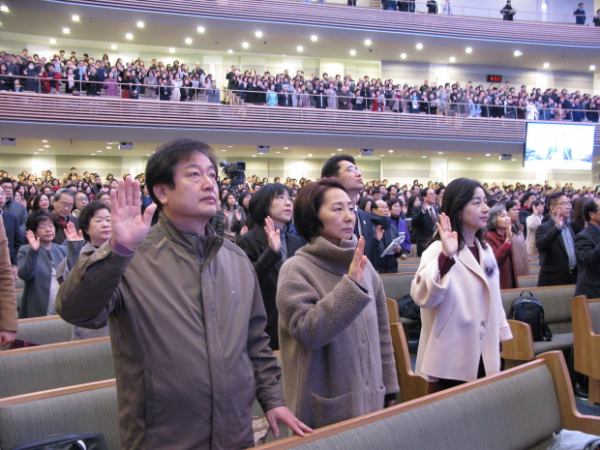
98, 151
258, 34
40, 149
286, 148
352, 52
339, 150
314, 38
44, 141
546, 65
452, 59
419, 46
109, 148
109, 143
229, 146
147, 154
93, 154
440, 153
245, 45
4, 8
592, 67
75, 18
229, 51
223, 150
300, 48
254, 156
518, 53
367, 41
129, 36
468, 158
310, 154
66, 31
487, 154
52, 41
172, 50
201, 29
514, 159
188, 40
277, 152
402, 55
140, 24
382, 155
35, 153
113, 47
46, 146
304, 157
423, 156
390, 151
469, 50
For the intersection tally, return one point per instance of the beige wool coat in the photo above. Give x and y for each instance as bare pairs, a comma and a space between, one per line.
336, 349
462, 315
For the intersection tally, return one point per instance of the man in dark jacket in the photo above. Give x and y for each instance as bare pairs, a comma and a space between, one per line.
587, 249
13, 233
380, 217
508, 12
424, 219
15, 208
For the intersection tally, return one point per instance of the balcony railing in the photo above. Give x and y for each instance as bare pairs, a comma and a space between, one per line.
342, 16
116, 112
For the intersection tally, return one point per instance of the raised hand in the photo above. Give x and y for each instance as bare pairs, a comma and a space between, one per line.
448, 237
238, 215
128, 226
72, 234
508, 230
379, 231
244, 230
359, 262
273, 235
560, 221
34, 242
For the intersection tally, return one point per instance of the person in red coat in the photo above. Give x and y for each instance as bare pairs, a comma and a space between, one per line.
499, 236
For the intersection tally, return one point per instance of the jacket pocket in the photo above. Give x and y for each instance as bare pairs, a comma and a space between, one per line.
327, 411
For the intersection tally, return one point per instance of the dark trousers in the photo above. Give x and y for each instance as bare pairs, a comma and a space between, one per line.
444, 383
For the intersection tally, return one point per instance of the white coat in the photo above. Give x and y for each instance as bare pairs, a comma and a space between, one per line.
462, 315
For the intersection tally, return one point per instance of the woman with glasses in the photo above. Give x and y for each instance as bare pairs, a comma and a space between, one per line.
269, 244
499, 236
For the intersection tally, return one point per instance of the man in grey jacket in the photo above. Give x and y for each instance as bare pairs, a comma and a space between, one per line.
185, 313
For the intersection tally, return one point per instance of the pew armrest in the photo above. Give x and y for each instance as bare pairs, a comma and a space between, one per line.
520, 347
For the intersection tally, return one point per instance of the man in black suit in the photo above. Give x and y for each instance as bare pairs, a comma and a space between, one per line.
556, 243
285, 98
343, 169
424, 219
13, 232
587, 249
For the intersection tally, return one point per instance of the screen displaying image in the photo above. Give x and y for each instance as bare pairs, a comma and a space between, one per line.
559, 146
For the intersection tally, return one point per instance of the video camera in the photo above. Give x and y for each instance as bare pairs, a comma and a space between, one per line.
235, 172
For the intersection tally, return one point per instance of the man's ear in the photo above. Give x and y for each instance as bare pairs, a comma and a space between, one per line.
160, 193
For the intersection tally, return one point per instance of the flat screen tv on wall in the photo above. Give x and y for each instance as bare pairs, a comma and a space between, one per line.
559, 146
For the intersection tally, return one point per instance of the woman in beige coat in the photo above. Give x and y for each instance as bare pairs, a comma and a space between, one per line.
458, 289
336, 349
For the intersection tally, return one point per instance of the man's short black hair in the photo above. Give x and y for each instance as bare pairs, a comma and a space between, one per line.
162, 165
86, 216
6, 180
261, 201
589, 207
63, 191
552, 199
331, 168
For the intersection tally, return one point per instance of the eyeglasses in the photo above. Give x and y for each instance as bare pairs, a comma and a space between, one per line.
65, 205
352, 169
563, 204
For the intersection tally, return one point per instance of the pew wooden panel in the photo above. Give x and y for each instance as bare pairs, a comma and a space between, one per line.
412, 386
586, 338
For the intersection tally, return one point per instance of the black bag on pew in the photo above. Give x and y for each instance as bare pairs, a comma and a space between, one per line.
67, 442
408, 308
530, 310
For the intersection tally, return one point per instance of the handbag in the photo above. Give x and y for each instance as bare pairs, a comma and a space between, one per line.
67, 442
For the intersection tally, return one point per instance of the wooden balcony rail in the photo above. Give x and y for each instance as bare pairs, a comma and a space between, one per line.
294, 12
116, 112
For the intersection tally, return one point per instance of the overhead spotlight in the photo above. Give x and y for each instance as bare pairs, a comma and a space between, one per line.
469, 158
546, 65
592, 67
310, 154
188, 40
518, 53
245, 45
75, 18
66, 31
352, 52
300, 48
419, 46
113, 47
367, 41
4, 8
402, 55
258, 34
314, 38
390, 151
229, 51
452, 59
52, 41
488, 154
468, 50
201, 29
172, 50
440, 153
129, 36
423, 156
339, 149
140, 24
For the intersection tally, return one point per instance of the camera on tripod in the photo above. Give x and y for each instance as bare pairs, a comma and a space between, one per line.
235, 172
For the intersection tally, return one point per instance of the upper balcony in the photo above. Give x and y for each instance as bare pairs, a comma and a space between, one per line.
539, 30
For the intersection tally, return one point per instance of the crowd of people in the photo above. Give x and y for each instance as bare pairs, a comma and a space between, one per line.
177, 82
284, 265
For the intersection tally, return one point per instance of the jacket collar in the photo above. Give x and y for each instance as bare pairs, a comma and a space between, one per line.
330, 257
183, 239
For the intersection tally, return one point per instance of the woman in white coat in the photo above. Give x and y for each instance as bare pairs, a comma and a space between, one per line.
458, 288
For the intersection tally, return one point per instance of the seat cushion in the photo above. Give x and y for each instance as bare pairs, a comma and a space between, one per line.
562, 341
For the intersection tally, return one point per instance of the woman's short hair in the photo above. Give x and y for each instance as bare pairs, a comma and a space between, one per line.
307, 206
87, 213
34, 220
393, 201
363, 201
261, 201
459, 193
242, 196
492, 221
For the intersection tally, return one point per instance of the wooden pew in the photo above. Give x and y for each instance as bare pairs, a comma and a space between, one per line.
516, 409
586, 338
396, 286
412, 386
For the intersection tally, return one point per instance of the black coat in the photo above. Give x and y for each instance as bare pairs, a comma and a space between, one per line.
267, 264
422, 224
587, 249
554, 260
13, 234
371, 245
